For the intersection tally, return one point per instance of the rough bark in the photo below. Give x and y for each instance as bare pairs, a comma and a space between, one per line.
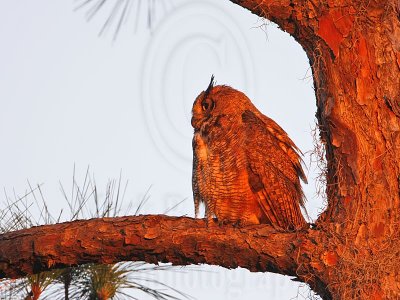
158, 238
354, 251
354, 51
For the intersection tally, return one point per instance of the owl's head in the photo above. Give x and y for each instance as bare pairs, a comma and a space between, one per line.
220, 100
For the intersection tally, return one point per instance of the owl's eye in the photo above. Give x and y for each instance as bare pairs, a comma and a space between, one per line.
207, 104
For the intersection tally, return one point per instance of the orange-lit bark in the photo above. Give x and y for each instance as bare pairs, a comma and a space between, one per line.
158, 238
354, 50
354, 251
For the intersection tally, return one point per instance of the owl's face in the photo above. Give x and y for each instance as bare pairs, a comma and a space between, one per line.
215, 101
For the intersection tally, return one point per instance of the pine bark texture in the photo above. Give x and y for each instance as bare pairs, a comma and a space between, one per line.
354, 51
158, 238
354, 250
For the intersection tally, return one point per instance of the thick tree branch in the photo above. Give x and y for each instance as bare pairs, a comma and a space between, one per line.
276, 9
156, 238
294, 16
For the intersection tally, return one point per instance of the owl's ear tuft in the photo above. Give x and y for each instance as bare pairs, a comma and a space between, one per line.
210, 87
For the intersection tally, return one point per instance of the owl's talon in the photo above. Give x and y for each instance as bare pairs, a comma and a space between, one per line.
221, 223
238, 224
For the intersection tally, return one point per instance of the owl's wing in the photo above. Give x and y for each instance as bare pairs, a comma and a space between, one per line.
273, 167
286, 144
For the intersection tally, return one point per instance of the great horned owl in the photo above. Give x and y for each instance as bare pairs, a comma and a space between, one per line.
245, 167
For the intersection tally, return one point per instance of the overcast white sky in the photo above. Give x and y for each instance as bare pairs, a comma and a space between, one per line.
70, 97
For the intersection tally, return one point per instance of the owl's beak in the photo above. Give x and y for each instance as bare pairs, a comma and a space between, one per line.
195, 122
196, 116
197, 113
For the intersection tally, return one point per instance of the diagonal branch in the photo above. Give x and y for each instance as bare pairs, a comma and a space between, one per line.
288, 14
275, 9
157, 238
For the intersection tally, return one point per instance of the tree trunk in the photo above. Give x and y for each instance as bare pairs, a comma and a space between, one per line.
354, 251
354, 52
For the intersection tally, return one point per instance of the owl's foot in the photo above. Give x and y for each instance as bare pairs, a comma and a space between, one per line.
249, 221
214, 222
223, 222
241, 223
